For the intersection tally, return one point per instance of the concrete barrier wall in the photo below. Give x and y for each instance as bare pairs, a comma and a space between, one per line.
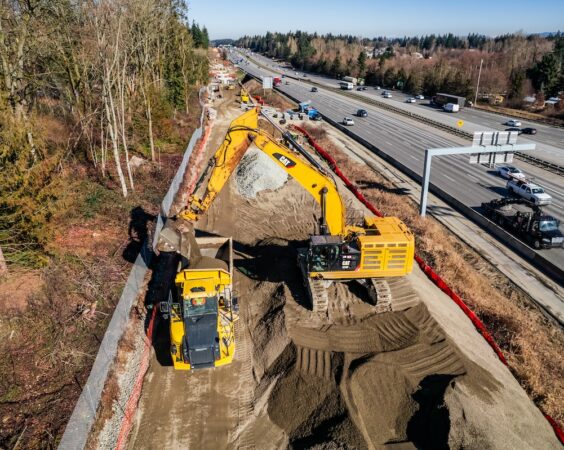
85, 411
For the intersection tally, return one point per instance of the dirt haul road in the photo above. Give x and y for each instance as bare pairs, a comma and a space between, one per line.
419, 376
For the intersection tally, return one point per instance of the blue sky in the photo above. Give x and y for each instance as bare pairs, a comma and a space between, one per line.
233, 19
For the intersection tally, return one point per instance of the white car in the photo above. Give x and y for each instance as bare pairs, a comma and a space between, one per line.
387, 95
410, 100
348, 121
513, 123
420, 97
508, 172
530, 191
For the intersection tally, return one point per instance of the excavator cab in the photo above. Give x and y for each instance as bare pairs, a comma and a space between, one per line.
328, 253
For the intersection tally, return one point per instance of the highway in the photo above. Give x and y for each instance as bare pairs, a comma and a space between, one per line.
549, 140
405, 140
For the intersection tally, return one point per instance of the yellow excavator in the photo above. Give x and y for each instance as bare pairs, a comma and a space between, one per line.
381, 247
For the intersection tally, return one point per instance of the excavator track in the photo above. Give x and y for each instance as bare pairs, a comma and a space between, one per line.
383, 294
378, 289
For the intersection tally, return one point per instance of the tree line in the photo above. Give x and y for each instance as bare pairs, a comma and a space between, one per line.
513, 64
104, 70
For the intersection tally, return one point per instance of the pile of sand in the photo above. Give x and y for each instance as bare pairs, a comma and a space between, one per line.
257, 172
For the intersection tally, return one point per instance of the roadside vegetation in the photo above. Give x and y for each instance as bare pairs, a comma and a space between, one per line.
97, 103
514, 66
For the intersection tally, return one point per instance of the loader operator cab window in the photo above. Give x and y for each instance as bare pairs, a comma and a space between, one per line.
199, 306
324, 257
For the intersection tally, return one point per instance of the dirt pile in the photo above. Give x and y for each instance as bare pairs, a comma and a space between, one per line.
257, 172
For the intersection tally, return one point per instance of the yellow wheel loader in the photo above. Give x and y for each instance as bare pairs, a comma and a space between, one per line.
201, 306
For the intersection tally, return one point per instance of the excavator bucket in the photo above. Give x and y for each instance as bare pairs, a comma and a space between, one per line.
178, 236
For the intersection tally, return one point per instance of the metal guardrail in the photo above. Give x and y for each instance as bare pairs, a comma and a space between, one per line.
552, 167
546, 121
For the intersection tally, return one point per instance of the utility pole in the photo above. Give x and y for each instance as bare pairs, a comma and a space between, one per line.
478, 84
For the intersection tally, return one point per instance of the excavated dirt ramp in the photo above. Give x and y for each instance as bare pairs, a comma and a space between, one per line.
351, 378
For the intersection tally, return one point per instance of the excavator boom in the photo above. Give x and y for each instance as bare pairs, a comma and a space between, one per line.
382, 247
242, 132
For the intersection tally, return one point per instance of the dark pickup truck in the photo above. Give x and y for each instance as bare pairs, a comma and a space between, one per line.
525, 220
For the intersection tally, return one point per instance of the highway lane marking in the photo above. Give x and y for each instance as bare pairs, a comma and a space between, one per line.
554, 190
471, 176
446, 176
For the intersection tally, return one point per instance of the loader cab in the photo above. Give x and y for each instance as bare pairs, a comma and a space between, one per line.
200, 344
330, 253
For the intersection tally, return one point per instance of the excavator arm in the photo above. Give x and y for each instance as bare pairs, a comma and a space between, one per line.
242, 132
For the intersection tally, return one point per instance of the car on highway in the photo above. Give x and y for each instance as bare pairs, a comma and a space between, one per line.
530, 191
348, 121
510, 172
513, 123
287, 82
314, 89
388, 95
529, 130
518, 130
420, 97
362, 113
410, 100
377, 88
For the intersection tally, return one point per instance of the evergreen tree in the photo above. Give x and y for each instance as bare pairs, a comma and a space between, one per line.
205, 38
196, 34
336, 66
361, 63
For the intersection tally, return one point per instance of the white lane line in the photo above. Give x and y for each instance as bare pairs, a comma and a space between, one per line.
471, 176
414, 157
554, 191
446, 176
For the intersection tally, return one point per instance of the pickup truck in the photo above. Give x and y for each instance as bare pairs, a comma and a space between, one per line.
526, 221
530, 191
